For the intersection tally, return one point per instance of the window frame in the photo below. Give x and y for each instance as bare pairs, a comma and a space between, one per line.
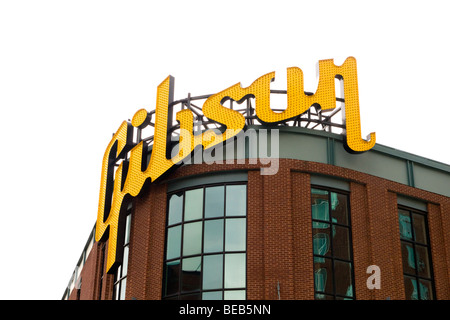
414, 243
120, 279
180, 293
332, 257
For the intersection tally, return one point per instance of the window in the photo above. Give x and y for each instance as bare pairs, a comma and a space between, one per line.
332, 247
120, 282
205, 256
416, 257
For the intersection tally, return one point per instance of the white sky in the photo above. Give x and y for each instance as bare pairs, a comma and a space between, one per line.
72, 71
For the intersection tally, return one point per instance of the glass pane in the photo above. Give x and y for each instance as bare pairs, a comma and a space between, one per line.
408, 257
319, 204
341, 243
127, 229
125, 261
323, 275
343, 278
321, 239
173, 242
119, 272
212, 271
191, 274
213, 236
236, 200
411, 292
193, 206
426, 290
192, 238
339, 208
123, 289
235, 270
116, 291
175, 208
320, 209
420, 233
212, 295
404, 221
234, 295
172, 277
235, 234
423, 262
214, 201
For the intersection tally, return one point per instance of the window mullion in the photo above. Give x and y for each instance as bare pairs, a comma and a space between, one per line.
335, 288
210, 199
416, 243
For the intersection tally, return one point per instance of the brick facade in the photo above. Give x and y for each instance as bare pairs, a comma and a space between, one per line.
279, 235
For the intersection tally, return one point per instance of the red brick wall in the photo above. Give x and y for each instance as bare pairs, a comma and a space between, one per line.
91, 276
279, 241
255, 221
302, 236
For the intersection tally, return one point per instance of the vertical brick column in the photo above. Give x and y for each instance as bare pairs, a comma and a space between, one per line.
157, 232
445, 216
384, 233
278, 240
445, 225
139, 247
144, 279
91, 274
362, 251
255, 236
303, 272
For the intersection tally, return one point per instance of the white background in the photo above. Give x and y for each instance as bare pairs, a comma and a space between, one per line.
72, 71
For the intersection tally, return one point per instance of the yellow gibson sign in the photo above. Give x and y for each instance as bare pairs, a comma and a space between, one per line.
131, 175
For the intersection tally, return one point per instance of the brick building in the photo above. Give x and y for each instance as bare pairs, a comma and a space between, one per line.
310, 231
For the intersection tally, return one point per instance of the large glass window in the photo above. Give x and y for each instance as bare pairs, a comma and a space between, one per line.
206, 242
332, 247
416, 256
120, 280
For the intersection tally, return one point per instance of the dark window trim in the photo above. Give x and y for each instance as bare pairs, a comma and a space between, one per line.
118, 284
332, 257
416, 276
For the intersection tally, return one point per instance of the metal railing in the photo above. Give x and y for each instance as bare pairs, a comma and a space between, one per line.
314, 118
